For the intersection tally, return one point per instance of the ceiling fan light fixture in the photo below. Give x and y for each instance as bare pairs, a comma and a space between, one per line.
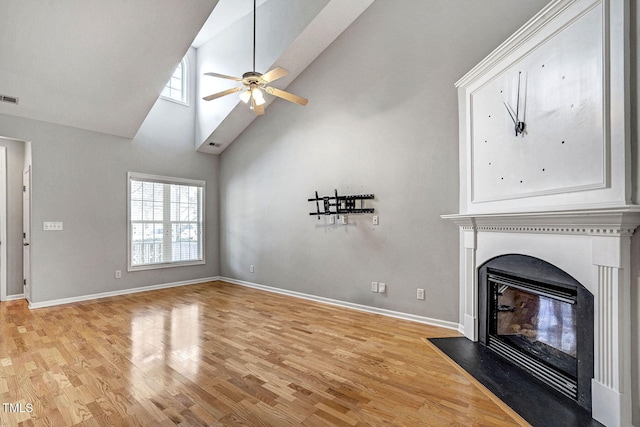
245, 96
257, 96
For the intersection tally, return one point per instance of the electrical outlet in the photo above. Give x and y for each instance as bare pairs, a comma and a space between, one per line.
374, 286
118, 274
382, 287
251, 268
420, 294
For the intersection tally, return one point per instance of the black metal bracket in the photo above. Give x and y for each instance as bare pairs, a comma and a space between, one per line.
336, 205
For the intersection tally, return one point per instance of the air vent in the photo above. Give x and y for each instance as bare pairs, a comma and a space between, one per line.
9, 99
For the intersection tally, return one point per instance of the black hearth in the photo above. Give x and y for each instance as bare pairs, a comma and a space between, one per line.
539, 318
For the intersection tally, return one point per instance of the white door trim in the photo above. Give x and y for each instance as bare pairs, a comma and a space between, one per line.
3, 223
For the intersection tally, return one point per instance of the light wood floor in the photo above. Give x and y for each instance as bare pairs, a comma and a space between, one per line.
218, 354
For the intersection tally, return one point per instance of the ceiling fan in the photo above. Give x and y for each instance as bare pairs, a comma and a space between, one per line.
253, 83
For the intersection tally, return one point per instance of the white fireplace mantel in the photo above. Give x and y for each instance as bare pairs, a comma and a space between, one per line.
593, 246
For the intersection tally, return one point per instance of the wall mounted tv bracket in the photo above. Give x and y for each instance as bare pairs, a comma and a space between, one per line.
336, 205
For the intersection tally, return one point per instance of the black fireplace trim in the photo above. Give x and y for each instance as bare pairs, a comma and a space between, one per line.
540, 271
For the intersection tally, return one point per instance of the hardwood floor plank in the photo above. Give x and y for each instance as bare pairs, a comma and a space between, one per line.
217, 354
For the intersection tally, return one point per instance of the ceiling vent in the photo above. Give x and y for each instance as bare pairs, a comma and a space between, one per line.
9, 99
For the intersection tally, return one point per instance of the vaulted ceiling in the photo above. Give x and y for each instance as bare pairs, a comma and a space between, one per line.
101, 65
93, 64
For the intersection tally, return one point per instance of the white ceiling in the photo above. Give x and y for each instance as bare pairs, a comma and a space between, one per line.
93, 64
225, 14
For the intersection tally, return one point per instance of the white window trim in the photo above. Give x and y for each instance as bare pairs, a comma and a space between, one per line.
186, 81
165, 180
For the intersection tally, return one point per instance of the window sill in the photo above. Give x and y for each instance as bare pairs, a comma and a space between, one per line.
164, 265
175, 101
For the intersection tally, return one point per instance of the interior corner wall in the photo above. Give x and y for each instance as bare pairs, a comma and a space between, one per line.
79, 177
15, 165
635, 240
382, 118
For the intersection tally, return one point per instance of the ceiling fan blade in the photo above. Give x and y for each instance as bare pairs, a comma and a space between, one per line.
223, 93
286, 95
258, 109
222, 76
275, 74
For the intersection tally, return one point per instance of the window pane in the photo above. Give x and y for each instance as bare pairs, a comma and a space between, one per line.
176, 86
136, 210
147, 191
136, 190
136, 232
158, 211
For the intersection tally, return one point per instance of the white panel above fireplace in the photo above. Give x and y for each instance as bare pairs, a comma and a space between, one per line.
556, 89
569, 65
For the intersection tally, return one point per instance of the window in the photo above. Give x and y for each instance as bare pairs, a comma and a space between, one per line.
166, 221
176, 87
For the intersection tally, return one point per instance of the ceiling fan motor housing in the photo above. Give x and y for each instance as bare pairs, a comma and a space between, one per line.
251, 78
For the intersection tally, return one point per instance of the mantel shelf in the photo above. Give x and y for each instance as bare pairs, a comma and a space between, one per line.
612, 221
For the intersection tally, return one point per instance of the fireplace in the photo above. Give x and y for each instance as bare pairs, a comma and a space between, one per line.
541, 319
586, 250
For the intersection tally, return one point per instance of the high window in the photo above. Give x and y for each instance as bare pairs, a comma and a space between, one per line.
176, 87
166, 221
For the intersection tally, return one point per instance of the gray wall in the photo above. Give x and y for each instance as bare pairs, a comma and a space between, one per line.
15, 166
382, 118
79, 177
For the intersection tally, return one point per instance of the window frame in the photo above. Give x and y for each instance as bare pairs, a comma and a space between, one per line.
135, 176
184, 82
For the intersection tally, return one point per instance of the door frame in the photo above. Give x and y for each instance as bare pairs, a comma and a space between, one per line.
3, 223
26, 234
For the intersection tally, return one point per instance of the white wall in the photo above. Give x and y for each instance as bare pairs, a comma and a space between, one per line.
79, 178
382, 118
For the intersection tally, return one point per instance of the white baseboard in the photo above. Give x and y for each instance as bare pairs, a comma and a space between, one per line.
359, 307
14, 297
81, 298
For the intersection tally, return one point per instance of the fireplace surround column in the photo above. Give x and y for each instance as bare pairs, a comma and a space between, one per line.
611, 388
469, 288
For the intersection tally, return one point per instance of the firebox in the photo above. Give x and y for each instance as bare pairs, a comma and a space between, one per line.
541, 319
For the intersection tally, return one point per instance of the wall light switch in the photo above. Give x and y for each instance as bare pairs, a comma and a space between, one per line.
343, 220
382, 287
52, 226
374, 286
332, 219
375, 220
